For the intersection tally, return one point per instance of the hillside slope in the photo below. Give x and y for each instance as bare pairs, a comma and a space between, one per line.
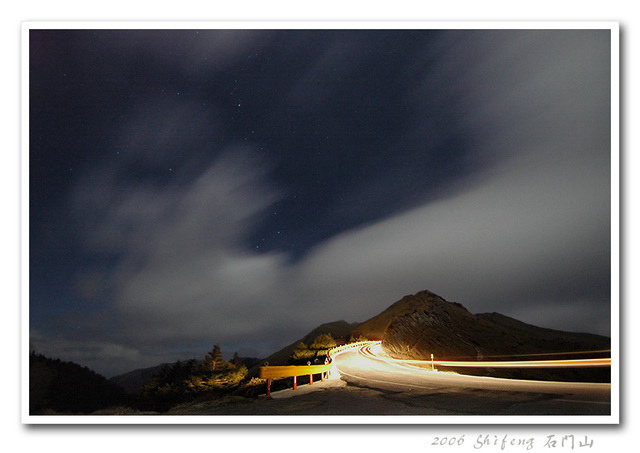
422, 324
337, 329
58, 387
133, 381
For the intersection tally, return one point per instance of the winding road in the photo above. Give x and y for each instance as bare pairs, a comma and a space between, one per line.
369, 367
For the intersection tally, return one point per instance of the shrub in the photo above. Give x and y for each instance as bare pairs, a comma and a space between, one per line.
186, 381
317, 351
324, 341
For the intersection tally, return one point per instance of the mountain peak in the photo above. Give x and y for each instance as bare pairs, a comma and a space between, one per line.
423, 301
424, 323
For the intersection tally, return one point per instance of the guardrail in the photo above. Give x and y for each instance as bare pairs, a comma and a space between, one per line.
335, 351
272, 372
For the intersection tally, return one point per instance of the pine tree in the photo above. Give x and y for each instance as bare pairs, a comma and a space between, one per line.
213, 358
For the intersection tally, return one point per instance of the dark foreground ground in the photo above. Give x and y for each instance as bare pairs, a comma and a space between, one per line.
336, 397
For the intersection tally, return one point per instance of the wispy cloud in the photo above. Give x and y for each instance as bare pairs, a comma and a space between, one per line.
180, 250
531, 228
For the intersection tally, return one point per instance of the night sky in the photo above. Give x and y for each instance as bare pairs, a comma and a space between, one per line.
241, 187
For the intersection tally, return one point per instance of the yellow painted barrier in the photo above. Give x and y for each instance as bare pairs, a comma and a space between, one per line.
272, 372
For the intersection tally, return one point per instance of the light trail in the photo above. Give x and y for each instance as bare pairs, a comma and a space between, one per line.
566, 363
440, 391
574, 363
539, 354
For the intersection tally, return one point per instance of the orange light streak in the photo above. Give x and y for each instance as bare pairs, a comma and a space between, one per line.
567, 363
574, 363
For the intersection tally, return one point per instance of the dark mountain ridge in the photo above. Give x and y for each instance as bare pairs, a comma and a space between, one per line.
56, 386
133, 381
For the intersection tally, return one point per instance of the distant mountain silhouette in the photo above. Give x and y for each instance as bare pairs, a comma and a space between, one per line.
133, 381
